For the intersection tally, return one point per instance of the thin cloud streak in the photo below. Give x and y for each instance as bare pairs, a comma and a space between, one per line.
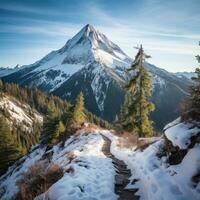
53, 30
27, 9
160, 27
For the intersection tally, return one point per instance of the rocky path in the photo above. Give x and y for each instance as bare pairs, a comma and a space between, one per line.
123, 174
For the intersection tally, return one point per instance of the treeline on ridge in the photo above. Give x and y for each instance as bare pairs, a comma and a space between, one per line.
59, 116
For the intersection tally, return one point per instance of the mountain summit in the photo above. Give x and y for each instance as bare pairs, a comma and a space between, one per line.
91, 63
86, 47
93, 40
90, 45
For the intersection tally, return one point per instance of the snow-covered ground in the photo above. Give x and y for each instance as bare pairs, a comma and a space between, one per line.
92, 174
181, 133
154, 177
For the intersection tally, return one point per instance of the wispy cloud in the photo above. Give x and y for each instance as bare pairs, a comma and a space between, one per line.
55, 30
28, 9
164, 27
129, 32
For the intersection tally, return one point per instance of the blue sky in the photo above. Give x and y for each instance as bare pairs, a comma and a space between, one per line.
169, 30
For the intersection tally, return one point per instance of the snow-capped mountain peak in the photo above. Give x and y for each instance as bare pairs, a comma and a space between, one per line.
88, 34
89, 51
91, 63
89, 45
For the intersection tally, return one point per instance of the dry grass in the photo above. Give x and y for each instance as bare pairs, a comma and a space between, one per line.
38, 179
143, 143
130, 140
126, 139
89, 128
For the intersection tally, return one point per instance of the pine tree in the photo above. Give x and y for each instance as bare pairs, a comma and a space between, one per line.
57, 127
66, 117
135, 111
49, 132
9, 151
78, 113
53, 125
194, 96
61, 127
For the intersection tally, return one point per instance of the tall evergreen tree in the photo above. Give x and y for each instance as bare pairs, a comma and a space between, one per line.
50, 128
78, 113
9, 151
135, 111
194, 95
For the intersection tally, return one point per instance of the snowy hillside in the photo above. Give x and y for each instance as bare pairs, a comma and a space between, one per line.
168, 165
19, 113
88, 173
168, 168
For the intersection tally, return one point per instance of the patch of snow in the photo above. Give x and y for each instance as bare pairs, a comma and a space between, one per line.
76, 83
109, 59
181, 133
175, 122
68, 94
93, 173
18, 113
154, 177
54, 64
157, 80
99, 86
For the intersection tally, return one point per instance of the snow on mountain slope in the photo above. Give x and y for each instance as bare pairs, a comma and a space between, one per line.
19, 113
5, 71
187, 75
90, 45
88, 173
86, 47
102, 88
91, 63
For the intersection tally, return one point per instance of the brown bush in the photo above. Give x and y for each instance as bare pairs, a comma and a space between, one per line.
70, 130
126, 139
143, 143
38, 179
188, 114
90, 128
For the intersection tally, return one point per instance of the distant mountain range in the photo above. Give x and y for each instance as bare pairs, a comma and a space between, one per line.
91, 63
187, 75
4, 71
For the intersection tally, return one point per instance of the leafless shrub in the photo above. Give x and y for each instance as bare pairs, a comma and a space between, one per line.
38, 179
